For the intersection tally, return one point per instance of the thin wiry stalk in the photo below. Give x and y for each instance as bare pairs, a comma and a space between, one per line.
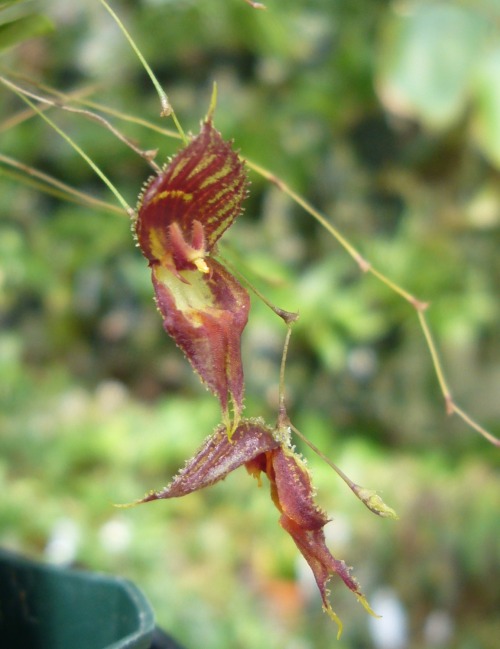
50, 185
166, 108
365, 266
74, 145
146, 155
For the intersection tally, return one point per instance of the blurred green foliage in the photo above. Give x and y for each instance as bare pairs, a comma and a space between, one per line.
19, 23
386, 116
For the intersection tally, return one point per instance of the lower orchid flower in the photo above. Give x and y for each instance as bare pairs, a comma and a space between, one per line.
265, 450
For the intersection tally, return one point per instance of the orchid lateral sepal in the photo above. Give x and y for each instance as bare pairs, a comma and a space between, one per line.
217, 457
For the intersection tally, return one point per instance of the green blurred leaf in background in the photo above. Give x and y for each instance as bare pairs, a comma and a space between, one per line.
18, 24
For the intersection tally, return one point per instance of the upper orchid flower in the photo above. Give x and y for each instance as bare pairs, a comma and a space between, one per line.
182, 213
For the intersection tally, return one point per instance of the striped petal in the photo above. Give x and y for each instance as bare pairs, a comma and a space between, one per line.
201, 191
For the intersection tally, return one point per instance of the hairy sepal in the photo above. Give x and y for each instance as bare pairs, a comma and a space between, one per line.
217, 457
293, 494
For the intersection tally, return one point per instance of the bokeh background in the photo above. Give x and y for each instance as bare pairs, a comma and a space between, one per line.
386, 116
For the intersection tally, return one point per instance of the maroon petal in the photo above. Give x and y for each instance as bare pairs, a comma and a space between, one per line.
295, 491
217, 457
205, 314
304, 521
312, 546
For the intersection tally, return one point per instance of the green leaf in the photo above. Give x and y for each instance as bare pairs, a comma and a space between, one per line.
21, 29
486, 116
426, 62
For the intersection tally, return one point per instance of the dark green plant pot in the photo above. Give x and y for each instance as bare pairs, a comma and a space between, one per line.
43, 607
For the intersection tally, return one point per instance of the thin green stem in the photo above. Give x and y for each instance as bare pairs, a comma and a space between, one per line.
74, 145
282, 389
451, 406
326, 459
366, 267
288, 317
50, 185
166, 107
368, 497
146, 155
79, 96
27, 113
131, 119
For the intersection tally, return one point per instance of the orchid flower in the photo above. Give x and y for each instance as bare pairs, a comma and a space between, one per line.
262, 449
181, 215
